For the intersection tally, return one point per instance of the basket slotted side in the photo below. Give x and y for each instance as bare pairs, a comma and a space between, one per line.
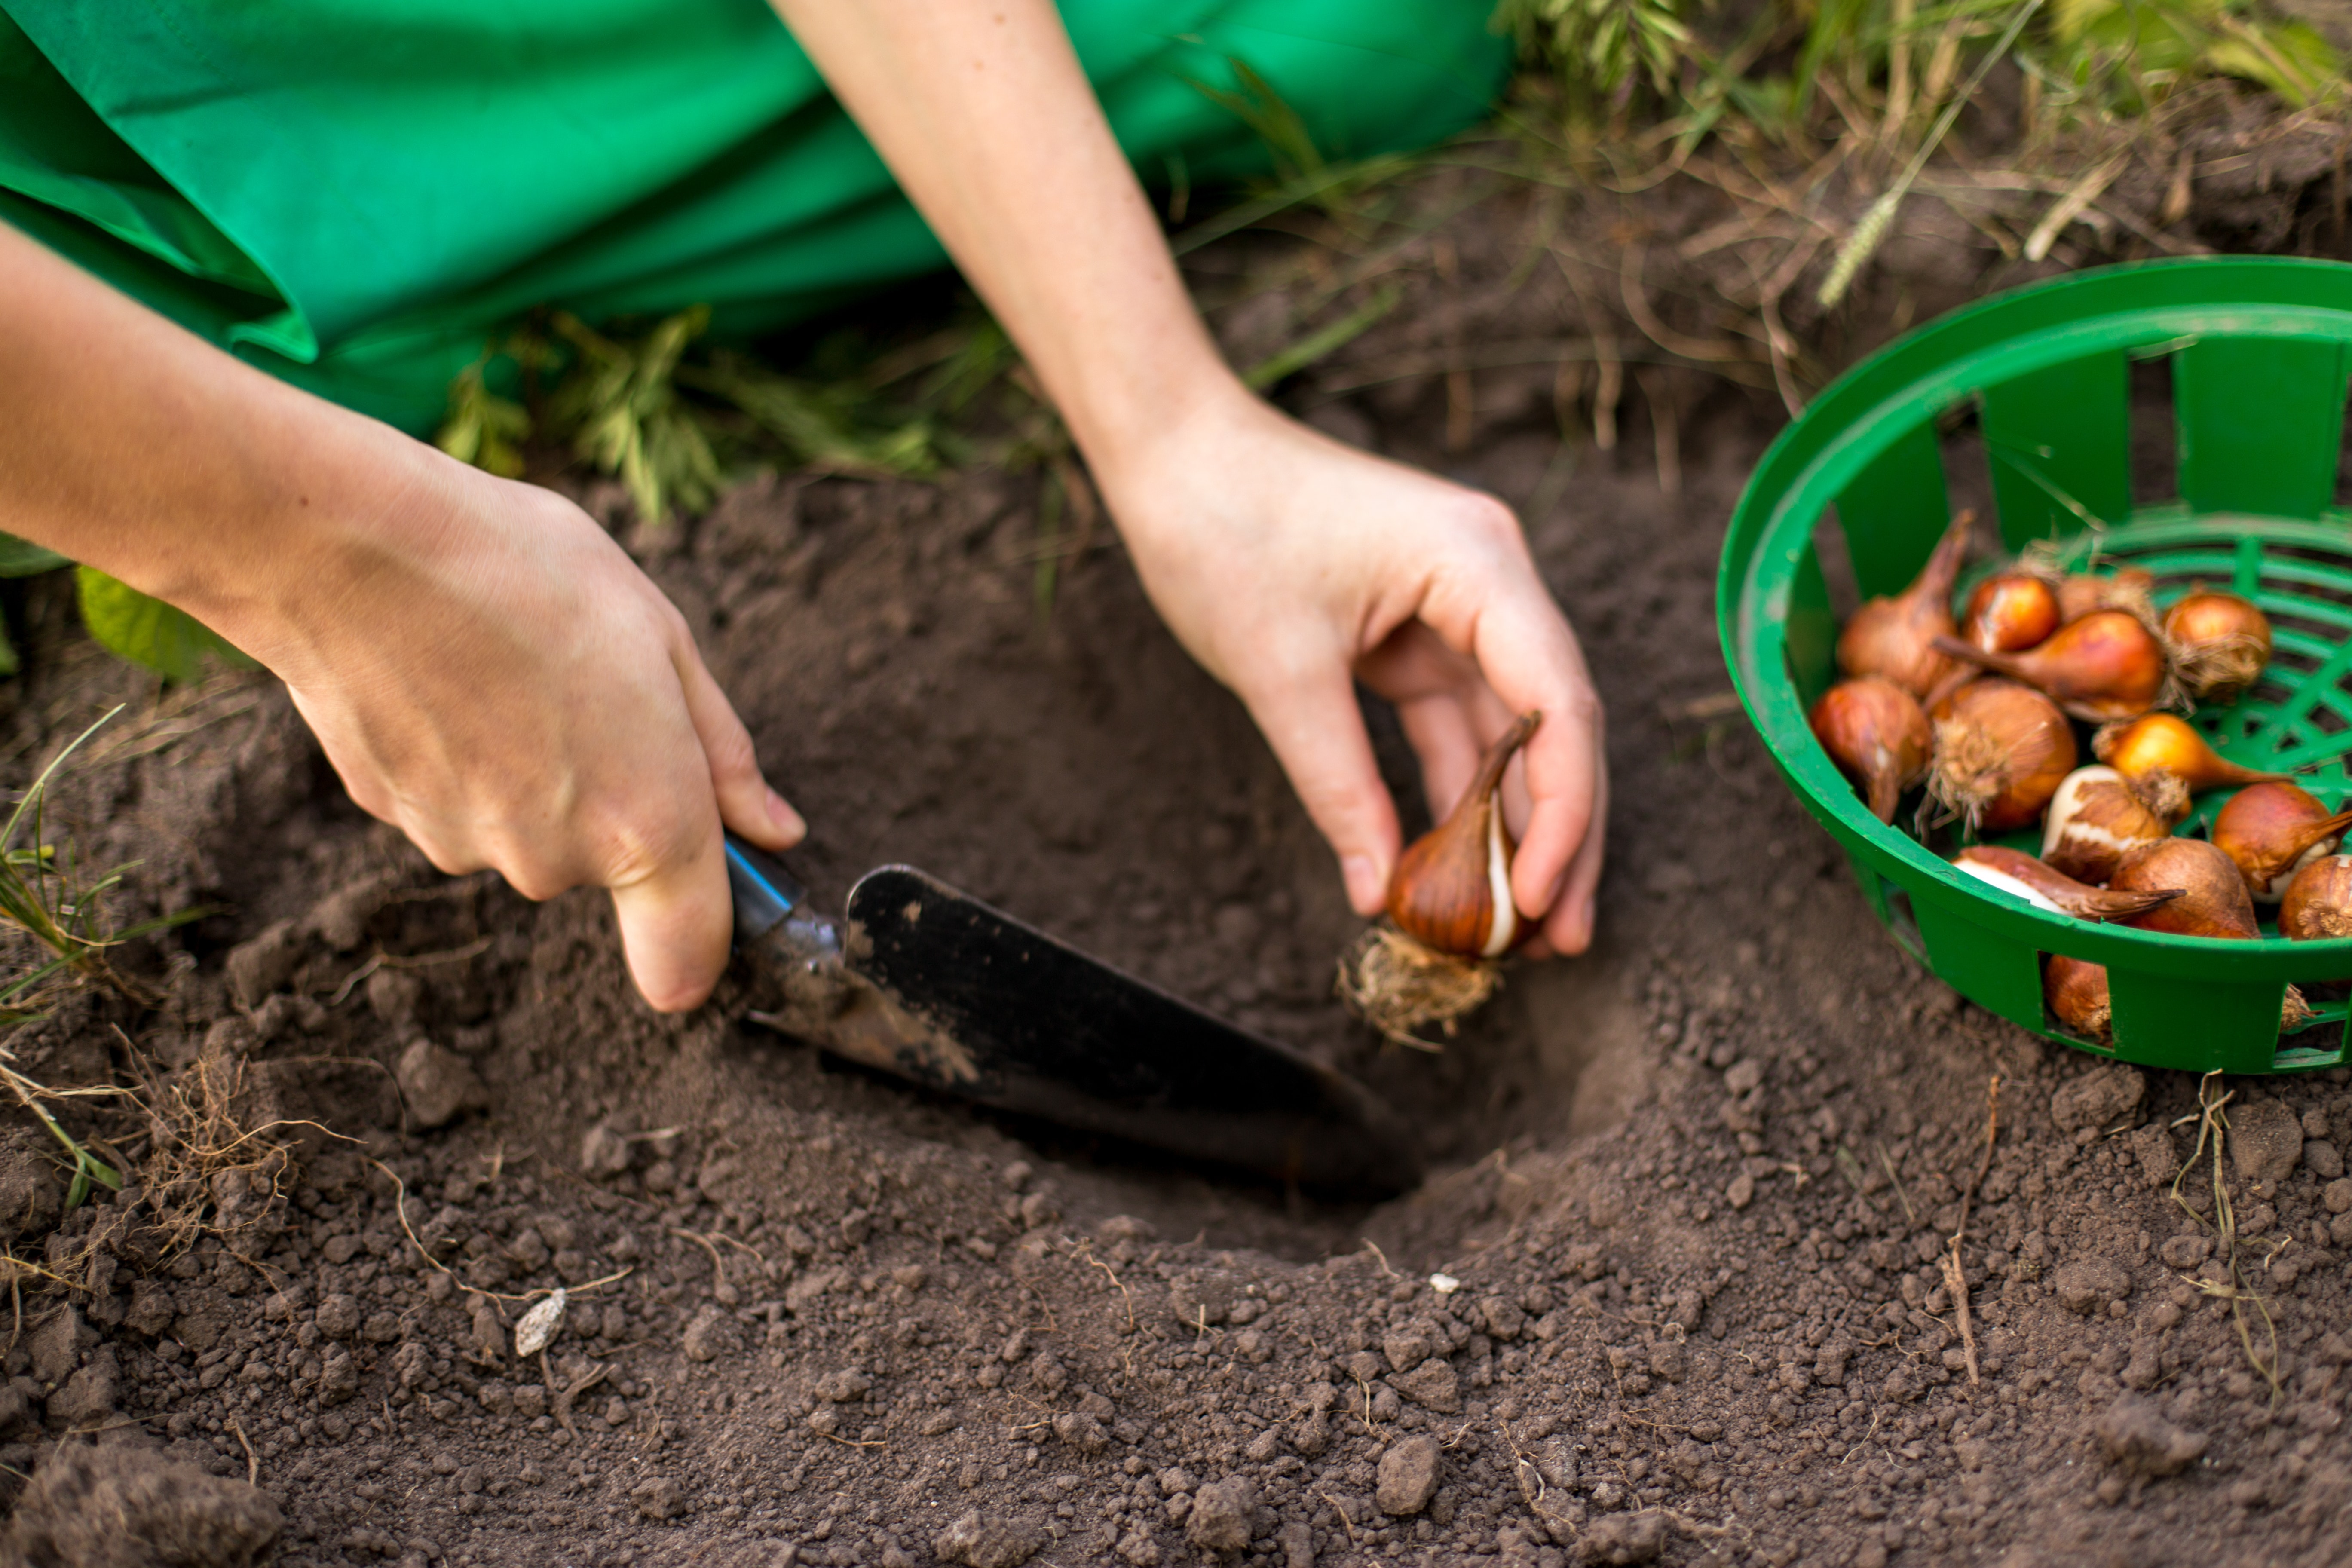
2258, 352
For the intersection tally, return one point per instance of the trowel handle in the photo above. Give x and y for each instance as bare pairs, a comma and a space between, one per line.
768, 899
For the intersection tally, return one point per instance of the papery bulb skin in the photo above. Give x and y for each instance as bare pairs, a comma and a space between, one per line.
2010, 612
2076, 992
2106, 665
2212, 902
2220, 642
2096, 815
1451, 890
2137, 748
2274, 829
1876, 733
2001, 749
2318, 903
1895, 638
2015, 871
2131, 589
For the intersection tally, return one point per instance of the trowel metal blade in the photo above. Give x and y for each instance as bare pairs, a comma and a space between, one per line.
1028, 1024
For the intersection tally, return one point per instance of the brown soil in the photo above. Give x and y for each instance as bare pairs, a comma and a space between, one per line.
1694, 1186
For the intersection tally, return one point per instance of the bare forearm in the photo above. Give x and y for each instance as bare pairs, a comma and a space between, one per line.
984, 115
129, 444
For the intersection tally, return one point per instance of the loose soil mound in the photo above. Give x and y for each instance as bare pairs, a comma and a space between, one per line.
1677, 1295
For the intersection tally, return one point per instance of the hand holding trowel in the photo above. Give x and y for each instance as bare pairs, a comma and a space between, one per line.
927, 982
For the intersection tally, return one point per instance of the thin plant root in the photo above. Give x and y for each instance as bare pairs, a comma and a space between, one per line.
1399, 986
2212, 1132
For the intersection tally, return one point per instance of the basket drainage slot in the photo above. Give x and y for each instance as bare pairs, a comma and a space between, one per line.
2051, 1023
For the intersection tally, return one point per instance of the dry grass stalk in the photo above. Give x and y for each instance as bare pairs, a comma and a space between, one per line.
2212, 1133
1955, 1280
1872, 230
1399, 986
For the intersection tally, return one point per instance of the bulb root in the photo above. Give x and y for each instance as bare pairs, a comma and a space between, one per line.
1399, 986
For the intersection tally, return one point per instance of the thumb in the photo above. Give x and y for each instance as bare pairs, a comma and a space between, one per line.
676, 923
1317, 734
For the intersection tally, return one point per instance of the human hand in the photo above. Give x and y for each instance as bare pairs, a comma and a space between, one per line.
492, 675
1291, 565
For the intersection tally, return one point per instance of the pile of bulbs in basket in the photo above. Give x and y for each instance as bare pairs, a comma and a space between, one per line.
1981, 710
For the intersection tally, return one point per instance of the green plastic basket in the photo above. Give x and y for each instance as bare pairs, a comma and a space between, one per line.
2257, 351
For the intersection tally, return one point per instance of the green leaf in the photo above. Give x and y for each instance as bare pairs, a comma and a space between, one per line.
78, 1189
23, 558
147, 631
481, 427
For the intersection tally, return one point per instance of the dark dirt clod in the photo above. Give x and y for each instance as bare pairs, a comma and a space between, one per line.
1625, 1537
2136, 1437
2089, 1285
658, 1498
2098, 1099
1408, 1475
439, 1084
127, 1507
31, 1198
2265, 1140
979, 1542
1222, 1514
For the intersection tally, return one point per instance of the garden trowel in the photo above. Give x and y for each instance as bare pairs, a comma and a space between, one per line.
919, 980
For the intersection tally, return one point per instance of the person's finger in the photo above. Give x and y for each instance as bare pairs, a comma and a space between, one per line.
1311, 719
1569, 926
1447, 711
746, 802
1530, 657
676, 921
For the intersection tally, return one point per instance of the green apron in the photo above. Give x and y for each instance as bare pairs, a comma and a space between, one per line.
355, 195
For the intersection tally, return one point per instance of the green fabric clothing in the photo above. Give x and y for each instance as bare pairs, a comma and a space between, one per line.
355, 193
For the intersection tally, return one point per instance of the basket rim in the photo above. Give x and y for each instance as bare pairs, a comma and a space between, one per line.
2139, 306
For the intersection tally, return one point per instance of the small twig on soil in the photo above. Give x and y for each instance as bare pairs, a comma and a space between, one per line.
578, 1386
392, 960
252, 1459
1955, 1280
1345, 1522
1522, 1466
1851, 1169
1088, 1252
848, 1442
1957, 1284
1374, 1247
400, 1207
718, 1267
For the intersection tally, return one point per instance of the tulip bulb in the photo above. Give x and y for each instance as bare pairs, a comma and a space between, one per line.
1875, 730
2106, 665
2076, 990
2221, 645
2001, 751
2096, 814
2014, 872
1895, 638
2140, 746
2274, 829
2128, 588
2212, 900
2010, 612
2318, 903
1451, 890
